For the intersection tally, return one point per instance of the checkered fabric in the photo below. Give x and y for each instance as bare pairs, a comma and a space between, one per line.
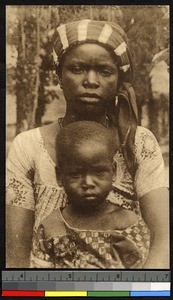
74, 248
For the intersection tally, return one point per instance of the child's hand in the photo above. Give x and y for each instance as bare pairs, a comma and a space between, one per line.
41, 239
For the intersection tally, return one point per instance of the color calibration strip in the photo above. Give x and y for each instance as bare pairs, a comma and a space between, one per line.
121, 289
86, 284
85, 293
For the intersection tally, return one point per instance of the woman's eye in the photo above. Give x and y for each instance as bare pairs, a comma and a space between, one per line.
106, 73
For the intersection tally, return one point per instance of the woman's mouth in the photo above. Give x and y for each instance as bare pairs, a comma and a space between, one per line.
89, 98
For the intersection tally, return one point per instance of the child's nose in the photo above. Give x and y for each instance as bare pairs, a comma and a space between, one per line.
88, 181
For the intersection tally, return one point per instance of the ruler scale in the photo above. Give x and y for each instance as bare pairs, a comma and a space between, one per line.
57, 283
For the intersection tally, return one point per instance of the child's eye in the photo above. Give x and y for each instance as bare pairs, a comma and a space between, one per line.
100, 172
77, 70
74, 174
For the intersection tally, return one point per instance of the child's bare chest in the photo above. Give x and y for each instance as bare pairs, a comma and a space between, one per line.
112, 218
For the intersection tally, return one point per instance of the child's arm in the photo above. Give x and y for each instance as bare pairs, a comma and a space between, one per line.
155, 211
43, 255
40, 256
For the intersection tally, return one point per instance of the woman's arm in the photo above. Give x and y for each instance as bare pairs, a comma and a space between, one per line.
19, 228
20, 201
152, 192
155, 211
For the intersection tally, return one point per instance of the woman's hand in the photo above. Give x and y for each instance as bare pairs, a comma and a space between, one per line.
19, 229
155, 211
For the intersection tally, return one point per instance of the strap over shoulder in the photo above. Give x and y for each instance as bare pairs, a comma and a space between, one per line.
127, 123
125, 117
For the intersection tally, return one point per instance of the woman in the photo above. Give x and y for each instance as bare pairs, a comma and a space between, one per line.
94, 67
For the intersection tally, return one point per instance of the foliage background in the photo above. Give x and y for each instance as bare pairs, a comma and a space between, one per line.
33, 97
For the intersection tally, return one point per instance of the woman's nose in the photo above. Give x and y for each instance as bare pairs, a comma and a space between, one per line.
88, 182
91, 80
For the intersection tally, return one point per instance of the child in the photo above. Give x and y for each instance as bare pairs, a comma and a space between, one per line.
90, 232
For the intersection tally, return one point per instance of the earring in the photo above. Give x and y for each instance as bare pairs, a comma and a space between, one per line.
116, 100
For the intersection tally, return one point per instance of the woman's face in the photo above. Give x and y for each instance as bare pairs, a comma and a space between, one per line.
89, 80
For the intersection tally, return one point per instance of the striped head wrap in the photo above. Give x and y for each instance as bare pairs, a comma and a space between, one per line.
111, 36
107, 34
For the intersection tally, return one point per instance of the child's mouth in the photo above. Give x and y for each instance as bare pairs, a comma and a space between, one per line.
90, 197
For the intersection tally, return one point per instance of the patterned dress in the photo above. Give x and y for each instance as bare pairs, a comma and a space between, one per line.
31, 178
58, 245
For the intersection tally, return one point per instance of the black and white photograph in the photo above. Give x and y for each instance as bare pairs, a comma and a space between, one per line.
87, 137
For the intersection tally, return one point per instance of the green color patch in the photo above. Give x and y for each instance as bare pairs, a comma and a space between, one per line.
108, 294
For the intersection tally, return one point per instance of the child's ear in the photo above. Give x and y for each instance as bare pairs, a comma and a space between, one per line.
114, 171
58, 176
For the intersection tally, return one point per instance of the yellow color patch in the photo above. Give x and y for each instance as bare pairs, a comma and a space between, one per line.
65, 293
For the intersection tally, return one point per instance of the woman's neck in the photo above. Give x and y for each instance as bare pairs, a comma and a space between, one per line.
70, 118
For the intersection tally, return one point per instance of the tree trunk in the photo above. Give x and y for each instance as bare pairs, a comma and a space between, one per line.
35, 100
91, 12
22, 122
27, 71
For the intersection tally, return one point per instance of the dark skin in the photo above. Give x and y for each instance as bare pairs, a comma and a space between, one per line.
89, 81
18, 243
95, 77
86, 175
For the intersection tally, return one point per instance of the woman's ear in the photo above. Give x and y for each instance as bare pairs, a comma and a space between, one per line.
59, 75
58, 176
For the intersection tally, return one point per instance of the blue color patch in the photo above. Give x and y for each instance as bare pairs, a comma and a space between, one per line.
150, 293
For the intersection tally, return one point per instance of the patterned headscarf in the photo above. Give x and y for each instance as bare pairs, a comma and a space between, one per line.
107, 34
111, 36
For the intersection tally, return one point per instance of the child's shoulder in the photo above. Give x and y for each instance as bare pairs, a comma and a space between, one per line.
53, 225
123, 218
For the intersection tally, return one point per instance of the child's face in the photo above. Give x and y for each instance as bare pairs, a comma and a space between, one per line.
87, 175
